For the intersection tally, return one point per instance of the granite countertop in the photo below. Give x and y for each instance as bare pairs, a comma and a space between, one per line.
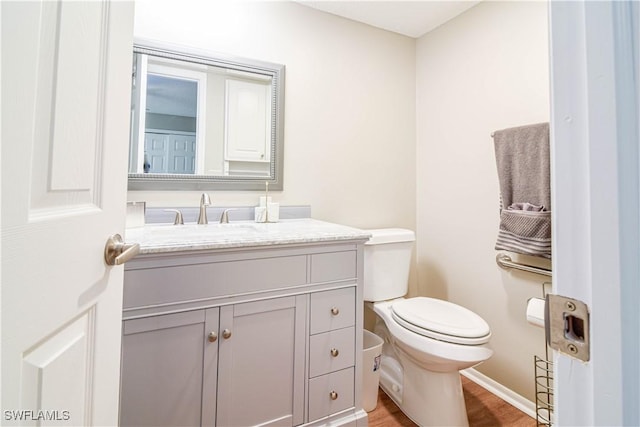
161, 238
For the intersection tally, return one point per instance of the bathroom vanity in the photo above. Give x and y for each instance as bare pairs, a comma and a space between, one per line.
243, 324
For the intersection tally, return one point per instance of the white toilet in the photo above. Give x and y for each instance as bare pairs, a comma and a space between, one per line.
426, 341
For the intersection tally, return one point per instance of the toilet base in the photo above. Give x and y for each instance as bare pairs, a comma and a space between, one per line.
429, 398
422, 375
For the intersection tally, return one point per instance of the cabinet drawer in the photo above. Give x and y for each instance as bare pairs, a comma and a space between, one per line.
333, 266
331, 351
155, 286
330, 393
334, 309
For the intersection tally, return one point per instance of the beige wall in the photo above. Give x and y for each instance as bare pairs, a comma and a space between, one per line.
484, 70
349, 104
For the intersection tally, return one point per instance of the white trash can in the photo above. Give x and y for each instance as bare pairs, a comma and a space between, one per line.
371, 358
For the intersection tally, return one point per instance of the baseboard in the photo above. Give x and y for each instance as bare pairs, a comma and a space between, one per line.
504, 393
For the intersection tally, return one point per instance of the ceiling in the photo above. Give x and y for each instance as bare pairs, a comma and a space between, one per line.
410, 18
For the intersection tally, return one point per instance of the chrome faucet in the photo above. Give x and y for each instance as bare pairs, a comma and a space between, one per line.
204, 202
224, 218
178, 220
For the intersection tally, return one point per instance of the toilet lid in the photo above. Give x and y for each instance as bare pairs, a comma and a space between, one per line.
441, 320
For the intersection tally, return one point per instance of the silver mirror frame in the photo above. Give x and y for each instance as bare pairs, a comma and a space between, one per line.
172, 182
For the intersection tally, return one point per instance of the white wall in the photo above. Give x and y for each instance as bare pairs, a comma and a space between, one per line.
484, 70
349, 104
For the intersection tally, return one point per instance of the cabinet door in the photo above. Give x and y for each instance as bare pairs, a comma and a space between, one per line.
261, 363
248, 102
162, 369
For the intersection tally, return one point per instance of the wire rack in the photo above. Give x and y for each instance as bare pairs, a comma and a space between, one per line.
544, 391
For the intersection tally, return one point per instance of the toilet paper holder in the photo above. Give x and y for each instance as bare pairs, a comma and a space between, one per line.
535, 311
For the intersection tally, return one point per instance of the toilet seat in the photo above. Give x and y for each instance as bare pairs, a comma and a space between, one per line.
441, 320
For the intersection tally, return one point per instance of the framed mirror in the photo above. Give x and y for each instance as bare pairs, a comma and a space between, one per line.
202, 121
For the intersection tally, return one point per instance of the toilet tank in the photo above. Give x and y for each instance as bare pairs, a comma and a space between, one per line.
387, 257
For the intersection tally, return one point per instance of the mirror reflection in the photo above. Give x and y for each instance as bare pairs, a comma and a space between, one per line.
198, 120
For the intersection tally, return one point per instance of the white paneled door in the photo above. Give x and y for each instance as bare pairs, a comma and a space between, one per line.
66, 81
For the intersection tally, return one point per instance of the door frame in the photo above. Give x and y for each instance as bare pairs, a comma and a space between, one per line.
596, 197
157, 66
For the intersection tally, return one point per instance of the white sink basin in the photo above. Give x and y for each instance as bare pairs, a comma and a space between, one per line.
200, 229
197, 232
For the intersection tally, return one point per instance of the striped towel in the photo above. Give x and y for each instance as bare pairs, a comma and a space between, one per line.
522, 158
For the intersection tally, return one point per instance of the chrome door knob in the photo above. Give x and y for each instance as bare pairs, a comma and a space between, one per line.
213, 337
334, 352
226, 334
117, 252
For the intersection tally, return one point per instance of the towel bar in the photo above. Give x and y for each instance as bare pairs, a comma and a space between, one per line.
504, 261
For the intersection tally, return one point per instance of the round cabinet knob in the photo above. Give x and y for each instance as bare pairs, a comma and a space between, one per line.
334, 352
333, 395
226, 334
213, 337
335, 311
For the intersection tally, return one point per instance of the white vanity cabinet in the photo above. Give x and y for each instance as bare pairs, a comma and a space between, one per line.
244, 336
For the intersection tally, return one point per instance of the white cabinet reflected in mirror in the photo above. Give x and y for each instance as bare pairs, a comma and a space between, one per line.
203, 121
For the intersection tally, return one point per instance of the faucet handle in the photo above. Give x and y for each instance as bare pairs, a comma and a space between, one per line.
205, 200
224, 218
178, 220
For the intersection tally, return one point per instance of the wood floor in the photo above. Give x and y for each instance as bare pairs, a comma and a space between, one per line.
484, 409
